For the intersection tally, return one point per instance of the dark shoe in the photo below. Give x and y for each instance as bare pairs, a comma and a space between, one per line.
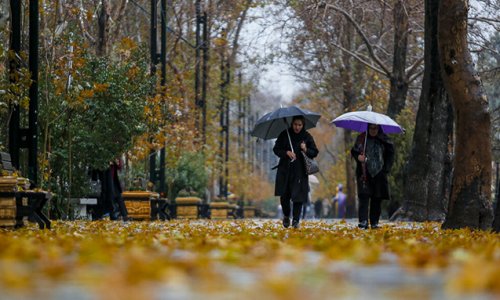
363, 225
286, 222
295, 224
375, 226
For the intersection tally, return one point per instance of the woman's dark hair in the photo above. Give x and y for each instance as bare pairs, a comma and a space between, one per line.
301, 118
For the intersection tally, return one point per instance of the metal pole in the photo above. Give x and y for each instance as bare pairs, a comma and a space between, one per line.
198, 102
154, 61
15, 47
33, 93
226, 163
222, 127
163, 59
204, 77
240, 115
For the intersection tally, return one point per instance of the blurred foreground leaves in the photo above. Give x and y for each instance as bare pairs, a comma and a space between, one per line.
191, 259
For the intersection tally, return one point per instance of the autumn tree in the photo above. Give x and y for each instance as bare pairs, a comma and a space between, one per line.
349, 43
470, 199
427, 174
391, 63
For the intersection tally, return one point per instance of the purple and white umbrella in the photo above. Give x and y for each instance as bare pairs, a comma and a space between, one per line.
359, 120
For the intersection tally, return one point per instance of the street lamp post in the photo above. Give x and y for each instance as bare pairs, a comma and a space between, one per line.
26, 137
154, 61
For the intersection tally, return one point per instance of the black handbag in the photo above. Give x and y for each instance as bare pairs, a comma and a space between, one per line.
310, 164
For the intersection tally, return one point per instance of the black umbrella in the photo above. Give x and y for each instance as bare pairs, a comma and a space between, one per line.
272, 124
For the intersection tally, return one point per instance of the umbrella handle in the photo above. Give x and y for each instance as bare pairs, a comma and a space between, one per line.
289, 139
288, 134
363, 164
363, 167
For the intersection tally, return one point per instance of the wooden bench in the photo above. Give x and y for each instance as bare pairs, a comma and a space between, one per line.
17, 201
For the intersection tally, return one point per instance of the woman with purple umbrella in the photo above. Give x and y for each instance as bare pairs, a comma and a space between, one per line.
374, 154
292, 183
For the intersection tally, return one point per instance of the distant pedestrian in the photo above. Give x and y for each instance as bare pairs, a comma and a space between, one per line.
326, 208
292, 182
374, 154
340, 200
318, 209
113, 191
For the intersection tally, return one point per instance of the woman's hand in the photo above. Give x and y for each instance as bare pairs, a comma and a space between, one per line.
291, 155
303, 146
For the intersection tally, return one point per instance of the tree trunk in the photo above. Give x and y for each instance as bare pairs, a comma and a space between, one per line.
496, 222
398, 79
470, 199
427, 180
349, 99
350, 178
4, 14
103, 22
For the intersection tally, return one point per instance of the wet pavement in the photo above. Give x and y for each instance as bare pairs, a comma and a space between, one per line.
296, 273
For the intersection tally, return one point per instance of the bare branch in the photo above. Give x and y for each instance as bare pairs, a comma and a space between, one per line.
363, 36
357, 57
116, 19
238, 30
81, 24
415, 76
485, 20
414, 67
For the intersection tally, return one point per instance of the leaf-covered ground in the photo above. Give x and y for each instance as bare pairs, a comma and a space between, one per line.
247, 259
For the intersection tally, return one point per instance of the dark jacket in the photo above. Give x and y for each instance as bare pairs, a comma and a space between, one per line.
291, 176
378, 185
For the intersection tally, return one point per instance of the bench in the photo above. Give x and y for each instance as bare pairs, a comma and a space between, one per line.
17, 201
83, 207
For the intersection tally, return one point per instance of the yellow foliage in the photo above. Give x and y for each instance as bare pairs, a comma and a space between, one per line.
101, 87
203, 258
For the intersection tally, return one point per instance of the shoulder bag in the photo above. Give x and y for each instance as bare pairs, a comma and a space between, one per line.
310, 164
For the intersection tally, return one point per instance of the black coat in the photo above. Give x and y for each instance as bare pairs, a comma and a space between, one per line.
292, 175
377, 186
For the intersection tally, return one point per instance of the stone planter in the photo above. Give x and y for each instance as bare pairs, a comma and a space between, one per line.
139, 203
187, 207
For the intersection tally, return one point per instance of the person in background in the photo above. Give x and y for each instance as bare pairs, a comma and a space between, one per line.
374, 154
292, 182
113, 191
340, 200
326, 208
318, 209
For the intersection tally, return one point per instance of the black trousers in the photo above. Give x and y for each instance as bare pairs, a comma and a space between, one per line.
286, 207
371, 204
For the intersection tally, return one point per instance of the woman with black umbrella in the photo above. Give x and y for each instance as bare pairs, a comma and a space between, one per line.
292, 182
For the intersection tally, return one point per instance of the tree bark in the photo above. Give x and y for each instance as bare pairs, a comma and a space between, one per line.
349, 98
470, 199
103, 33
427, 180
398, 79
496, 222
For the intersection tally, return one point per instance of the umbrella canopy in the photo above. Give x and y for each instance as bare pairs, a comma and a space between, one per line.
313, 179
359, 120
273, 123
